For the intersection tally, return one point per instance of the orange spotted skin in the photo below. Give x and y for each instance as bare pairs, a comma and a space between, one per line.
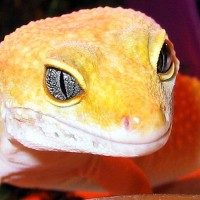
181, 153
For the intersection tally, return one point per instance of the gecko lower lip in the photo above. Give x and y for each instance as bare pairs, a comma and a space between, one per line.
165, 135
43, 132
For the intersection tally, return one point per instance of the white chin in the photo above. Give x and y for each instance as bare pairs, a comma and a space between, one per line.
42, 132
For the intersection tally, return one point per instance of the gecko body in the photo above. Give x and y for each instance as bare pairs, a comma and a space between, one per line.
97, 82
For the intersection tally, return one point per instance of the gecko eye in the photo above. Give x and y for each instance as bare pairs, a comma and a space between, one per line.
165, 64
62, 87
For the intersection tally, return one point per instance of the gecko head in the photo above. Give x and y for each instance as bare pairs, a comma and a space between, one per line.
103, 88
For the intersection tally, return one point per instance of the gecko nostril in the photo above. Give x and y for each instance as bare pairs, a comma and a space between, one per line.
130, 124
126, 123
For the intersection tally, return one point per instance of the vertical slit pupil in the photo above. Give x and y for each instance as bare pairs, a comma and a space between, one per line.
62, 84
164, 61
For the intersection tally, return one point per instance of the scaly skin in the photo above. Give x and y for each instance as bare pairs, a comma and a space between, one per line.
124, 107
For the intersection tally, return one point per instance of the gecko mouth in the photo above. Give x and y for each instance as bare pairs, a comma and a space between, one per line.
42, 132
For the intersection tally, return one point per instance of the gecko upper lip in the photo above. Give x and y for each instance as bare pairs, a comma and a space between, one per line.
73, 137
118, 135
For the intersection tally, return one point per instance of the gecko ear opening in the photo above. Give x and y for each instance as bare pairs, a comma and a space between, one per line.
63, 84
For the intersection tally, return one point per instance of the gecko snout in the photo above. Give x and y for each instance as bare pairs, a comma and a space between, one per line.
145, 129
